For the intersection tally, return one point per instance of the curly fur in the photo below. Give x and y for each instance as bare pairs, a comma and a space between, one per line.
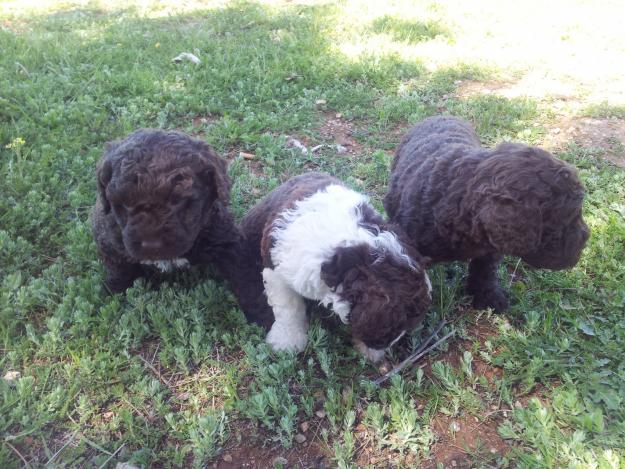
163, 202
459, 201
318, 240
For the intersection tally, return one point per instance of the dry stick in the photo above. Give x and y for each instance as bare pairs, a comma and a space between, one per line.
18, 453
62, 448
514, 273
412, 359
429, 338
112, 456
156, 372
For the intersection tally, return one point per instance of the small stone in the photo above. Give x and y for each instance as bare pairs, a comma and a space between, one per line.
12, 376
247, 156
340, 149
493, 450
299, 438
295, 143
304, 426
556, 130
320, 413
227, 457
339, 115
280, 461
185, 56
454, 463
320, 102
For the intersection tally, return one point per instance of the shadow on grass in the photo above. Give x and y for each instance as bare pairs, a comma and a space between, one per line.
409, 31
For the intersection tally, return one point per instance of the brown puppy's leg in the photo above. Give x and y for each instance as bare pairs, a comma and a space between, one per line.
484, 285
119, 276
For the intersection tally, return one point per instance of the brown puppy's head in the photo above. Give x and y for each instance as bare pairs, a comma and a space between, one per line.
388, 294
529, 204
160, 187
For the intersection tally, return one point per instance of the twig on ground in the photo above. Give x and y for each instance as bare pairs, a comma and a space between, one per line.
429, 338
412, 359
514, 273
112, 455
156, 372
62, 448
14, 449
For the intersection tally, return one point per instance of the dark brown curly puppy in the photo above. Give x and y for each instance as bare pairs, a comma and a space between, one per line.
459, 201
163, 201
319, 240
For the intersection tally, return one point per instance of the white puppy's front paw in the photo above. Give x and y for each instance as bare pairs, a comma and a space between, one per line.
290, 341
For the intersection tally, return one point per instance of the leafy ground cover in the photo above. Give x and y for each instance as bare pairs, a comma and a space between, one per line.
173, 376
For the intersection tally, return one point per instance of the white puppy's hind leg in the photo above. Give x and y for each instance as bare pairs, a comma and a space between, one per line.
290, 329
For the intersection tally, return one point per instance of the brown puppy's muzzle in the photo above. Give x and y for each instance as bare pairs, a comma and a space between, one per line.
144, 244
563, 252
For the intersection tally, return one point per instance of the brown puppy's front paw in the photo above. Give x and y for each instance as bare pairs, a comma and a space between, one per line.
495, 298
117, 285
119, 280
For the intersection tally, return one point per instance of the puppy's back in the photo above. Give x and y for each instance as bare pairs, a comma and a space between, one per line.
260, 217
435, 141
429, 137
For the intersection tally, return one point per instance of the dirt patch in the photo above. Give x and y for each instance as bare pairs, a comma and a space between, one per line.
464, 440
200, 124
257, 451
337, 130
529, 86
607, 134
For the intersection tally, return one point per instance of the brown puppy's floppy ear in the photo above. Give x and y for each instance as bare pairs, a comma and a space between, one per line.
344, 260
214, 173
512, 226
104, 173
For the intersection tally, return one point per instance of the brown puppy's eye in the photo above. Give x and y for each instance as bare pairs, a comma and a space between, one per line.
188, 203
120, 208
177, 178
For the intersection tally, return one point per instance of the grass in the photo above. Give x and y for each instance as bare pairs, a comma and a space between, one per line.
173, 376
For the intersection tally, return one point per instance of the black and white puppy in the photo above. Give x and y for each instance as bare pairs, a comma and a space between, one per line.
316, 239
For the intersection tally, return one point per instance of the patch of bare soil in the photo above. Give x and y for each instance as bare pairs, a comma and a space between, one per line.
529, 86
606, 133
340, 131
463, 439
256, 451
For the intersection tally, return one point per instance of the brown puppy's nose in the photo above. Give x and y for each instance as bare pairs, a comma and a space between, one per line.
152, 245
